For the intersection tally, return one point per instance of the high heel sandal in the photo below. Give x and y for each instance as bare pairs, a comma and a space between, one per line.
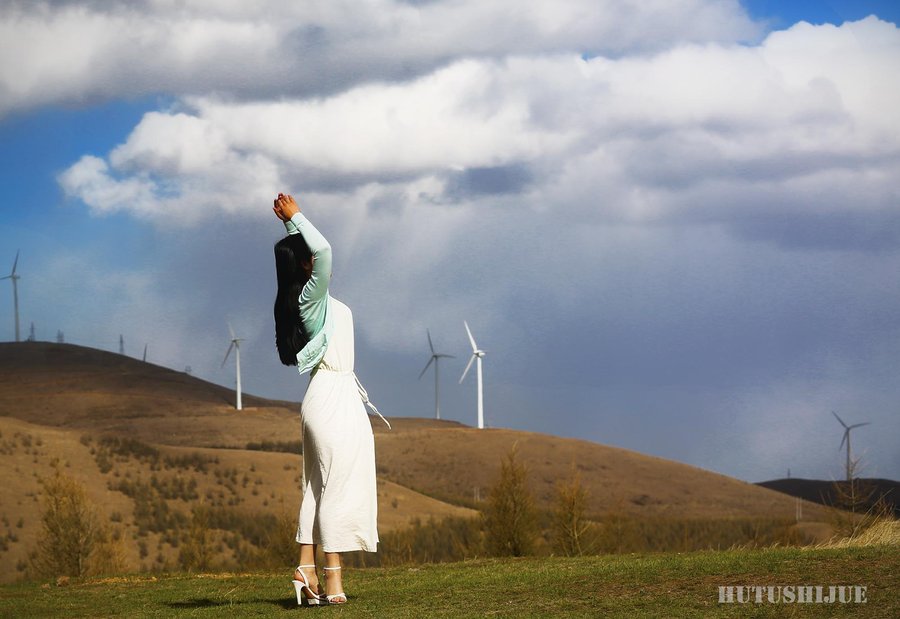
337, 598
304, 590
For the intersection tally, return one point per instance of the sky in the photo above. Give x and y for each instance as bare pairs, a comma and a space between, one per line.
673, 226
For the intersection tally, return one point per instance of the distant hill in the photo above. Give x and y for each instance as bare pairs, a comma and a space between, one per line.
831, 492
149, 440
76, 387
64, 385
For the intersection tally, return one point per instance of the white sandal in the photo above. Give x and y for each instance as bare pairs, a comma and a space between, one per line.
337, 598
304, 590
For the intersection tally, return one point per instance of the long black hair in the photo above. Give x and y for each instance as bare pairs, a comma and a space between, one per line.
291, 254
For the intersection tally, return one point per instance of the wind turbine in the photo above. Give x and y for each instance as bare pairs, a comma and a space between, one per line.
846, 437
12, 276
434, 357
145, 354
236, 344
477, 354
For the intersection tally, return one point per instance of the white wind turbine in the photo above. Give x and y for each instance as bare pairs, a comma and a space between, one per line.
12, 276
434, 357
236, 345
847, 438
477, 355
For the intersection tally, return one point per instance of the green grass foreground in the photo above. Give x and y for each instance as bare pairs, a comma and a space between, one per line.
652, 585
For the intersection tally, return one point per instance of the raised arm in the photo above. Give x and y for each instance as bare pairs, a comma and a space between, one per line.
296, 223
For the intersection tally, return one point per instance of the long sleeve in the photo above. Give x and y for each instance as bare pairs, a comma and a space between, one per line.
314, 299
317, 286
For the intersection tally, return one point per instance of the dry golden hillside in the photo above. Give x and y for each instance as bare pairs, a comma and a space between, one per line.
147, 491
63, 385
97, 391
151, 443
455, 463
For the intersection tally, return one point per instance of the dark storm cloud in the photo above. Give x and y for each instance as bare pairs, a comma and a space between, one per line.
475, 182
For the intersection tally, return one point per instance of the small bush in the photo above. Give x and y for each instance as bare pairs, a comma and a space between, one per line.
70, 529
510, 518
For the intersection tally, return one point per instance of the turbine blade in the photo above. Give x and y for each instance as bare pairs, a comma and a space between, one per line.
231, 331
16, 262
6, 277
858, 425
839, 419
430, 345
228, 352
427, 365
843, 438
471, 339
466, 371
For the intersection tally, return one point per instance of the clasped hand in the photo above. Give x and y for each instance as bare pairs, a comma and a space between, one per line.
285, 207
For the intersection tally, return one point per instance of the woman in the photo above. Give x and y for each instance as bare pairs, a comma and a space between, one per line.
314, 331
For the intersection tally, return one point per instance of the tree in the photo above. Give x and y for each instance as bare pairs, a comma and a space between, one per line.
570, 527
856, 507
70, 530
510, 520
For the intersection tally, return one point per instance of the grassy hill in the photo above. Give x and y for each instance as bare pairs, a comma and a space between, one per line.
656, 585
150, 444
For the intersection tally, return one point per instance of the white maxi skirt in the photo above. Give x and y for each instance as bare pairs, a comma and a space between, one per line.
340, 505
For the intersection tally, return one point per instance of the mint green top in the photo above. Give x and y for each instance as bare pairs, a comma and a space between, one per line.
315, 311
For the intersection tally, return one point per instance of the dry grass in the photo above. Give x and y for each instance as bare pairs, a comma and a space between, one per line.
882, 531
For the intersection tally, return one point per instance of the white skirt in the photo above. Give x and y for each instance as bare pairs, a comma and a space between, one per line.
340, 505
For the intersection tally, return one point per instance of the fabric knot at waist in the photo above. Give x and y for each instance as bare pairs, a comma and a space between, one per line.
362, 390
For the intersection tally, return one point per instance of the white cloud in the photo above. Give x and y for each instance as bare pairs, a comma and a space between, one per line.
78, 51
686, 133
89, 179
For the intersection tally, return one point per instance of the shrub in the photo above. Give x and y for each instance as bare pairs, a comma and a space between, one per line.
70, 529
510, 518
450, 539
570, 527
196, 553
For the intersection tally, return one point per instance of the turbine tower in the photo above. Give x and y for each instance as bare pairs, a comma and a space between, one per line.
434, 357
846, 437
477, 355
12, 276
145, 354
236, 345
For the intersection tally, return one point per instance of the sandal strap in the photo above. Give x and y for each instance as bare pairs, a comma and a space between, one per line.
332, 568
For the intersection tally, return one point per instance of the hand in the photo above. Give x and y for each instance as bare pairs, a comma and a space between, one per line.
285, 207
